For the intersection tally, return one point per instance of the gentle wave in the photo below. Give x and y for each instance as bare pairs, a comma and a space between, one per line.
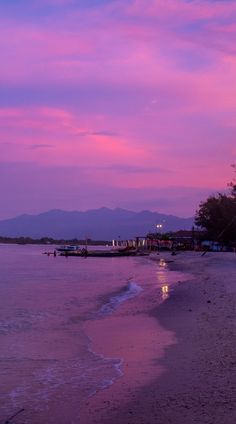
132, 290
84, 378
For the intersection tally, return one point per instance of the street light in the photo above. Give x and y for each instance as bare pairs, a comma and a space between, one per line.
159, 226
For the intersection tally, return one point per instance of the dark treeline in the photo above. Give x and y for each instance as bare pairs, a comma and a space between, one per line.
50, 240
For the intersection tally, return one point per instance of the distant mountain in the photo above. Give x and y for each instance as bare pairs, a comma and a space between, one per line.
97, 224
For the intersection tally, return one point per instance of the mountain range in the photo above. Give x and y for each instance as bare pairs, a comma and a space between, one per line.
96, 224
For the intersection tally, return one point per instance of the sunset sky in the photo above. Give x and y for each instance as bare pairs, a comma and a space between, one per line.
127, 103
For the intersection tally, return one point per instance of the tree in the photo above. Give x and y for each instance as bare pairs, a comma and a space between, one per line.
232, 184
217, 215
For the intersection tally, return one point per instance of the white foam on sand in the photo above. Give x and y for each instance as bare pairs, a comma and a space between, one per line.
132, 290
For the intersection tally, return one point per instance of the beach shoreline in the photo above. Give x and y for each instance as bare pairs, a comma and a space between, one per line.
191, 378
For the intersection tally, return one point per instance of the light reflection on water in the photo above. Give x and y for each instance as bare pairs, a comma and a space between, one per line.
165, 292
162, 263
162, 278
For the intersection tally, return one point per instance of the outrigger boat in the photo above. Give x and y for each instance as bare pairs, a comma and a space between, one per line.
68, 248
84, 252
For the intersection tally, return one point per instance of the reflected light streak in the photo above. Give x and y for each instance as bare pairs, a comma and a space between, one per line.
162, 263
165, 292
162, 279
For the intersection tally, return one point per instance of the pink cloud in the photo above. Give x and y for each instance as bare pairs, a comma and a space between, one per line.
121, 54
188, 11
72, 142
61, 138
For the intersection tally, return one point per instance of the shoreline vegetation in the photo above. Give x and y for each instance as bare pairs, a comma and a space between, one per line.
197, 385
51, 241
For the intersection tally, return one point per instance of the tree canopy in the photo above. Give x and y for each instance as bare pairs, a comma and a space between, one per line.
217, 215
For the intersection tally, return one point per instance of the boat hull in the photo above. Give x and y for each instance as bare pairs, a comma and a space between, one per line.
99, 254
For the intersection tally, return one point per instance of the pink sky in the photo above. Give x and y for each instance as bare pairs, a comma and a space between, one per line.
122, 103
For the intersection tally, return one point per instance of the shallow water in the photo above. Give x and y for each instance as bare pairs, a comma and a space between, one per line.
47, 365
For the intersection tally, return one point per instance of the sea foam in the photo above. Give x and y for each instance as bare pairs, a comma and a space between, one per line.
131, 290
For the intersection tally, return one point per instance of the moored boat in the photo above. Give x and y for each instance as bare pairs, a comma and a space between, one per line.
68, 248
84, 252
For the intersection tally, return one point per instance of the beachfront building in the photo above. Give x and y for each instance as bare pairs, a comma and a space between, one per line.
184, 239
180, 240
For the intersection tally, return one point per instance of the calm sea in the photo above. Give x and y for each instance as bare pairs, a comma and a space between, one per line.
46, 357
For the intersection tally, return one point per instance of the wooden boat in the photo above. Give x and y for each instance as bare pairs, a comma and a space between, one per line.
100, 253
68, 248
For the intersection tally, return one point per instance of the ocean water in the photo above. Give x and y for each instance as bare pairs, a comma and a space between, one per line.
47, 363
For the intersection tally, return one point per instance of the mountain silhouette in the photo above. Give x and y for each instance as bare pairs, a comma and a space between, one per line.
96, 224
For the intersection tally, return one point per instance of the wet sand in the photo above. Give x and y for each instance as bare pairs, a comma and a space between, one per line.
187, 374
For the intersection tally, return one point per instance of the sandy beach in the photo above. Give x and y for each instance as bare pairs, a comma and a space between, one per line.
188, 376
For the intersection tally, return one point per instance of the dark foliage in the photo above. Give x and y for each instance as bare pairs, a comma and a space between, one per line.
217, 215
50, 240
